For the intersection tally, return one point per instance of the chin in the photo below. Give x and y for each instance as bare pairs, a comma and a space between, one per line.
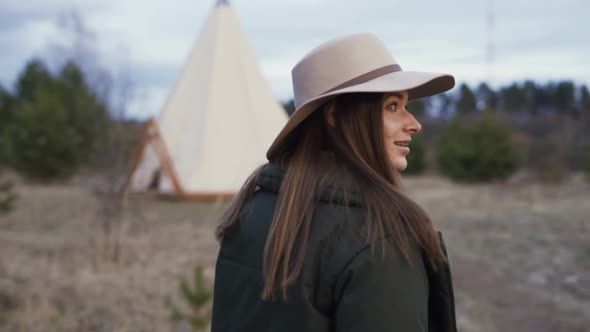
400, 165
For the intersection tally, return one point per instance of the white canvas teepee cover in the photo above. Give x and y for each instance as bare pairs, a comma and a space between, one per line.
217, 122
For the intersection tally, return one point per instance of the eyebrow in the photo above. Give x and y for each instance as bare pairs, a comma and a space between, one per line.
393, 94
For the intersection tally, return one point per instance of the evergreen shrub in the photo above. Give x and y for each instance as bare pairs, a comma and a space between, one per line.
479, 152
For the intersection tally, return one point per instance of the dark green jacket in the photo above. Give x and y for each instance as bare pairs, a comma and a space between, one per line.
343, 286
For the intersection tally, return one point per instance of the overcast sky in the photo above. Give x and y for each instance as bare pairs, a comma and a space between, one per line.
540, 40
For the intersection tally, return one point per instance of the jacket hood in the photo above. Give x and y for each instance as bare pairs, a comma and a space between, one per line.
345, 192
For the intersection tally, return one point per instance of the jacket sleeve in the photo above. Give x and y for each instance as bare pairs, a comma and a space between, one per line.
381, 293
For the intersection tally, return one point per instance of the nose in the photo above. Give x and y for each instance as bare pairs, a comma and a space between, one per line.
413, 126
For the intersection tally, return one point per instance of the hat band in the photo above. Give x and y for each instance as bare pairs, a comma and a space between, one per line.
367, 77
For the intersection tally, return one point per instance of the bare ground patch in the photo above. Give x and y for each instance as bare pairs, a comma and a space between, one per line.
520, 256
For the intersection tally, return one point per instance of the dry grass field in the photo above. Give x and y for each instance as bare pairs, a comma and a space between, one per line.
520, 255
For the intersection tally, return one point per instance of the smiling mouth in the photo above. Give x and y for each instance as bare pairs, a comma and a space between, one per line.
403, 147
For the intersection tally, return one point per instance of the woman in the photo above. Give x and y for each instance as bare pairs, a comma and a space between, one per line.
321, 238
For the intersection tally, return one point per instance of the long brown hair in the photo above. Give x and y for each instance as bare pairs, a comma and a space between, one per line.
355, 141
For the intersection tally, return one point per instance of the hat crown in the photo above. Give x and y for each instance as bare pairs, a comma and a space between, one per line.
337, 62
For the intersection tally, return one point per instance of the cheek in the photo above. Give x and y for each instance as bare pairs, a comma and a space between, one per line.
389, 132
389, 139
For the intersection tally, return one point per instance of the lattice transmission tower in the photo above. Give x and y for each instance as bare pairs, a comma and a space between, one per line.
490, 47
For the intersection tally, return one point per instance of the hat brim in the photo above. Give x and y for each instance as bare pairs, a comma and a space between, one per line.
418, 85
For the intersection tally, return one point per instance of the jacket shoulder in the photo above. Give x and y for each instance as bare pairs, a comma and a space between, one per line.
361, 287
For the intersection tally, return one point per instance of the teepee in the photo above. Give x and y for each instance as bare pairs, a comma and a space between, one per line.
217, 122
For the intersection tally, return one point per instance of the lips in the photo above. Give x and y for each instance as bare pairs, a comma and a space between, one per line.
404, 143
403, 146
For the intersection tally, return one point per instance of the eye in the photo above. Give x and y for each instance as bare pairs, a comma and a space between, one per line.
392, 107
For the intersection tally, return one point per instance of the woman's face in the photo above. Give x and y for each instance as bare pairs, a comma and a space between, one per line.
398, 127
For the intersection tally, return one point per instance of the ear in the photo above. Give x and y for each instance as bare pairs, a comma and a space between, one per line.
329, 114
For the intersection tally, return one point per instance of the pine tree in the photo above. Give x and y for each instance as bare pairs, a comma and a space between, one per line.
564, 97
544, 97
6, 115
42, 142
34, 77
418, 107
479, 152
87, 113
6, 103
513, 98
584, 104
197, 296
56, 122
466, 102
7, 196
531, 97
486, 97
441, 105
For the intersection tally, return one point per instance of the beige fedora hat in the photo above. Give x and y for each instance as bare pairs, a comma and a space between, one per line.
354, 63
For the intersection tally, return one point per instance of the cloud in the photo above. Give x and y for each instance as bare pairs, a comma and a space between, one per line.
14, 15
541, 41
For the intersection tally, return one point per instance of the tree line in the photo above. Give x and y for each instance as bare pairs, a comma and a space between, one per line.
529, 97
54, 123
561, 97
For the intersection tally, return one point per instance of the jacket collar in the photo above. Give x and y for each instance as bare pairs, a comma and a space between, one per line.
343, 193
